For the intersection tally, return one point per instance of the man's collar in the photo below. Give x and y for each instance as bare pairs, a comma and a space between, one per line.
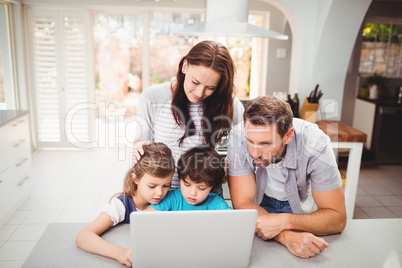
290, 154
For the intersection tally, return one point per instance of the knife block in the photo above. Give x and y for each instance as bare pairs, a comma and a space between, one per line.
308, 111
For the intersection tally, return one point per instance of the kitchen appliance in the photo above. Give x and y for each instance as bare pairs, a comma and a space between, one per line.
229, 18
388, 135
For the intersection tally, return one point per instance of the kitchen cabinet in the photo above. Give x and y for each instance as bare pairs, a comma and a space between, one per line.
381, 120
15, 162
363, 119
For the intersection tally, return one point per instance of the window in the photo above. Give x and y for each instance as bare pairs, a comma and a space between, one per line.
130, 51
7, 90
118, 55
126, 62
381, 49
167, 49
60, 72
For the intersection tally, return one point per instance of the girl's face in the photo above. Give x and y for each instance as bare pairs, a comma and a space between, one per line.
194, 193
151, 189
200, 82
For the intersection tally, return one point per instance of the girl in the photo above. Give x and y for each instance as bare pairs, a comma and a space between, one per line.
198, 108
146, 183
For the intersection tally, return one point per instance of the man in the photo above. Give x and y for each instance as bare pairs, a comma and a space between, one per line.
286, 169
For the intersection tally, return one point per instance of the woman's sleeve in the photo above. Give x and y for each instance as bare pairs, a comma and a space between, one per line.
238, 110
144, 117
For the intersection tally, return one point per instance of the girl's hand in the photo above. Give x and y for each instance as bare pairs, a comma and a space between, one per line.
138, 151
125, 257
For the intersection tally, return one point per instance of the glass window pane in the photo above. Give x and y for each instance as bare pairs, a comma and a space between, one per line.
369, 32
367, 57
118, 55
381, 49
394, 56
167, 49
7, 97
384, 29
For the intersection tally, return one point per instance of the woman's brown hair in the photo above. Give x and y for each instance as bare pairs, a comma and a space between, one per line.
157, 161
218, 108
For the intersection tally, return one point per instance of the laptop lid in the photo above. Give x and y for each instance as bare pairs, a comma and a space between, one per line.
211, 238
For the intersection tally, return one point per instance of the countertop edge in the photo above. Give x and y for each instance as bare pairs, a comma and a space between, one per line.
9, 115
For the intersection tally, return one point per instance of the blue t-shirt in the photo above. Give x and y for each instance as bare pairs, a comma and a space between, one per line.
174, 201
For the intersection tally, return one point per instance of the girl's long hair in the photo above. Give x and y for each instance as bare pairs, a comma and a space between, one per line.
157, 161
218, 108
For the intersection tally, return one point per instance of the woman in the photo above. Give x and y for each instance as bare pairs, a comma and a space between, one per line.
198, 108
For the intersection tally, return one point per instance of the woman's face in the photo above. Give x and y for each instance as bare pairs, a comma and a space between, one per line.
200, 82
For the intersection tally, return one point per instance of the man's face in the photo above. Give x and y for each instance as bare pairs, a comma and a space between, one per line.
264, 143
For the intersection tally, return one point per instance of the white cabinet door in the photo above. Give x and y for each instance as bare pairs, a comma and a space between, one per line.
363, 119
61, 76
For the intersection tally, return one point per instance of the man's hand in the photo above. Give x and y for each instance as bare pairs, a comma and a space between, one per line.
302, 244
270, 225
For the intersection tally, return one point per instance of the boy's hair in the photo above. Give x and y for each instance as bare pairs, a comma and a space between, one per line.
157, 161
202, 164
267, 110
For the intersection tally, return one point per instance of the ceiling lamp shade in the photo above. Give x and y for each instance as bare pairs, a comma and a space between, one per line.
229, 18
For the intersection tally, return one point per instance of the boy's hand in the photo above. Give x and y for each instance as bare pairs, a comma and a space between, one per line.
138, 151
125, 256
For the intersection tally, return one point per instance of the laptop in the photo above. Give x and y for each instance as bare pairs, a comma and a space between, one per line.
211, 238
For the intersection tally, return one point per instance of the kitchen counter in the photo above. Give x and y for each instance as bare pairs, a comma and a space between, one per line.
338, 131
382, 102
364, 243
8, 115
346, 137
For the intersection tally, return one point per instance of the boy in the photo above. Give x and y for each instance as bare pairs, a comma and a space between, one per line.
200, 170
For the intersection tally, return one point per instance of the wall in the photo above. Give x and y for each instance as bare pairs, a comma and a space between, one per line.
328, 43
278, 69
377, 9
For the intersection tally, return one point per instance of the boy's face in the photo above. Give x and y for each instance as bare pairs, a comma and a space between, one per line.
194, 193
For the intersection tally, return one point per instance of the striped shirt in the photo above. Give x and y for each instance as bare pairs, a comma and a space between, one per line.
157, 123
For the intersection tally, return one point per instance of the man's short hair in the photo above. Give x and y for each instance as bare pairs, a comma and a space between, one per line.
267, 110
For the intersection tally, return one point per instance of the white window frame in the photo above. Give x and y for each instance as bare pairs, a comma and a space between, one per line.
64, 141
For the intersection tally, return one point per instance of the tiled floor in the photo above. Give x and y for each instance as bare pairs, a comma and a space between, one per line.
72, 186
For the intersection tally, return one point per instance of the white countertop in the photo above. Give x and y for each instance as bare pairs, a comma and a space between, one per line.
8, 115
364, 243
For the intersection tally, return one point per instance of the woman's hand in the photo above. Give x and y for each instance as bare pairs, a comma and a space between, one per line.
138, 151
125, 257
